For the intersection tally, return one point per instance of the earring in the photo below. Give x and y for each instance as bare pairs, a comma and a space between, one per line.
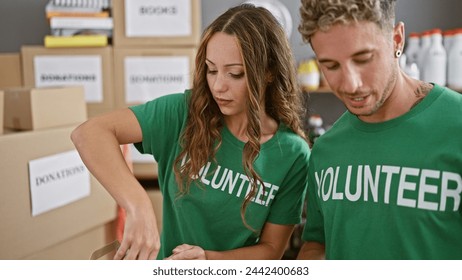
398, 53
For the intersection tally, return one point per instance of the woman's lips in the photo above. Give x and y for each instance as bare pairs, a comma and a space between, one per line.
222, 102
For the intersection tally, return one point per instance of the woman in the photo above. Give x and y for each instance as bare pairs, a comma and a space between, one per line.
231, 153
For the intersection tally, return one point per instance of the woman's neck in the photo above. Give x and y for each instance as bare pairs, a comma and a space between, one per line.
238, 127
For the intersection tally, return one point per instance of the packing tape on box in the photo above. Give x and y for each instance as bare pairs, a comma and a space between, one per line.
114, 245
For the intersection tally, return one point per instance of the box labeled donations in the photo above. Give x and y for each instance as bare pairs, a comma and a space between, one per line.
87, 67
32, 161
144, 74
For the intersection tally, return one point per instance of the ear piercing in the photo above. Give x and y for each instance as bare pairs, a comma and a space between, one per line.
398, 53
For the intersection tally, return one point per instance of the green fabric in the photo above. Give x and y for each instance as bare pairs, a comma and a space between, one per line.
390, 190
209, 216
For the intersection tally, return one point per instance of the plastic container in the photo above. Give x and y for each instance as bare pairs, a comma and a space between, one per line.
425, 42
448, 36
413, 47
435, 60
411, 69
455, 61
309, 75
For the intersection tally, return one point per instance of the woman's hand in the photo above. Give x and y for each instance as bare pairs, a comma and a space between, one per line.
141, 237
187, 252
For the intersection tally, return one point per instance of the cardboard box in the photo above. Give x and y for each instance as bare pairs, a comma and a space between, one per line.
156, 23
78, 247
144, 166
91, 68
38, 108
156, 199
10, 70
2, 109
142, 74
145, 170
23, 234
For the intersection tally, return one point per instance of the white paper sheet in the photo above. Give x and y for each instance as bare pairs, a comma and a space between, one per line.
159, 18
57, 180
149, 77
70, 70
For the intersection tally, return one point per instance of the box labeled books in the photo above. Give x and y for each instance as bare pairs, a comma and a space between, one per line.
156, 22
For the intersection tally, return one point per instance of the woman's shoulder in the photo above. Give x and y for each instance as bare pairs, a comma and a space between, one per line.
179, 97
174, 100
287, 135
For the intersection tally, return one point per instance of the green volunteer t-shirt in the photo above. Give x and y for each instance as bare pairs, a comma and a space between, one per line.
390, 190
209, 215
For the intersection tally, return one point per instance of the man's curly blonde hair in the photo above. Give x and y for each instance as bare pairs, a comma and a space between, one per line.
322, 14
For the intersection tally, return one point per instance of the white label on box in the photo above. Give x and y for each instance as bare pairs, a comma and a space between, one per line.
147, 78
81, 70
57, 180
158, 18
138, 157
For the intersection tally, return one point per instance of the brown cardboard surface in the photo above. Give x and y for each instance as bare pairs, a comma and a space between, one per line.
107, 249
1, 111
10, 70
156, 199
119, 73
143, 170
28, 53
23, 235
121, 40
78, 247
29, 108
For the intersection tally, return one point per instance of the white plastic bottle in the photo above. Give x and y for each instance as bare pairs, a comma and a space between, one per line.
412, 48
455, 61
411, 69
448, 37
435, 60
425, 42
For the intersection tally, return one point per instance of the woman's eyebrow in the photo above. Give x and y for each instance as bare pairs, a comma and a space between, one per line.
226, 65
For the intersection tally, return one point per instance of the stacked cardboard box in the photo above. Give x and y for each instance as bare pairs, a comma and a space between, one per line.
29, 228
28, 108
156, 199
143, 74
156, 23
154, 51
1, 112
10, 70
52, 207
87, 67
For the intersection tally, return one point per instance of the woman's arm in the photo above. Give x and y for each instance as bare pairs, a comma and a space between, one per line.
98, 142
272, 244
312, 251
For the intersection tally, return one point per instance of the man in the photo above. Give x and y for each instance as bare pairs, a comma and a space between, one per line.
385, 181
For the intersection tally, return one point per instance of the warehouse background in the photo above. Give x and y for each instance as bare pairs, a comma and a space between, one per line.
22, 30
22, 22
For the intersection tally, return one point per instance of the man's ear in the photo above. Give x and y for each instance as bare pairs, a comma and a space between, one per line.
399, 36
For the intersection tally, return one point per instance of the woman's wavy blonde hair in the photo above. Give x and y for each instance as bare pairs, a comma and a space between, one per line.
270, 71
322, 14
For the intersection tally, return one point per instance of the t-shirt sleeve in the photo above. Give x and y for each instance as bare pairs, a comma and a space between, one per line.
161, 122
288, 204
314, 225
